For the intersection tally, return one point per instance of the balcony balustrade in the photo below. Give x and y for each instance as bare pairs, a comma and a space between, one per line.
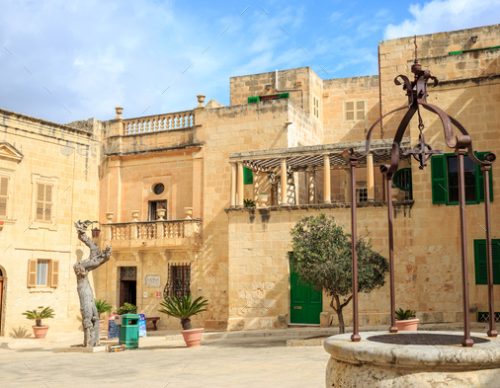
159, 123
153, 233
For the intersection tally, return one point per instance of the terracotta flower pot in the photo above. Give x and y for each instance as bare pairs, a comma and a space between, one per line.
407, 324
192, 337
40, 331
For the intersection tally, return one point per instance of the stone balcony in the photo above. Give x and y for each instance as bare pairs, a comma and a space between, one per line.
183, 233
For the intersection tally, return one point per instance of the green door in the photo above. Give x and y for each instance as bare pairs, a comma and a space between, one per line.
305, 301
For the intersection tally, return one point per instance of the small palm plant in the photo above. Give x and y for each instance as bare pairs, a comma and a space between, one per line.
39, 313
183, 307
403, 315
102, 307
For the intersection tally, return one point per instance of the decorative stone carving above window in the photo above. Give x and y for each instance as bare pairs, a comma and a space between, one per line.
9, 152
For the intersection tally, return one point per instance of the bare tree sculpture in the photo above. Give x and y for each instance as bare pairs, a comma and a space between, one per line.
90, 317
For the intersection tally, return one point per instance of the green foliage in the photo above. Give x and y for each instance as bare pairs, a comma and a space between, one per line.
402, 315
102, 306
322, 251
248, 203
183, 308
127, 308
39, 313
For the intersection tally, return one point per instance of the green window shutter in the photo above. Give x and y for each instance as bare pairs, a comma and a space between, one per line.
480, 261
480, 180
480, 268
495, 247
247, 176
253, 99
439, 178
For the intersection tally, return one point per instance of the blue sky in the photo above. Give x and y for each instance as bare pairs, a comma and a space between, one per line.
69, 60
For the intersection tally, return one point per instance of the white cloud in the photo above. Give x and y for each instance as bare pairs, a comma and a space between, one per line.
446, 15
65, 61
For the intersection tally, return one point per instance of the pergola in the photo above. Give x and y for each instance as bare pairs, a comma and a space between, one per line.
307, 158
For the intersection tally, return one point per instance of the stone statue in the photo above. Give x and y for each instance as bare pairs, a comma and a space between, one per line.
90, 317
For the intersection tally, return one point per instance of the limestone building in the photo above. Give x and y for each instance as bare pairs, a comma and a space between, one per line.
48, 179
176, 191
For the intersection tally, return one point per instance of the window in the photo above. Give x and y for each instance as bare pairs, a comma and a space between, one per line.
480, 268
43, 202
362, 194
315, 107
444, 172
179, 280
158, 188
4, 195
157, 210
43, 273
354, 110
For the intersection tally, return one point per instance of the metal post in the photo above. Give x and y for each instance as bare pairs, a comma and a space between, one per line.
355, 337
463, 230
492, 332
390, 217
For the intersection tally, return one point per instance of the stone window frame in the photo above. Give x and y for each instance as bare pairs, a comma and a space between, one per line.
355, 110
51, 224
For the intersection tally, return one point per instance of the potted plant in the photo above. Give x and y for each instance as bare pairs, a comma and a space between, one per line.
127, 308
184, 308
39, 330
406, 320
102, 307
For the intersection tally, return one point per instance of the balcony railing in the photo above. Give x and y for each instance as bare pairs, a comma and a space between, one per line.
157, 232
159, 123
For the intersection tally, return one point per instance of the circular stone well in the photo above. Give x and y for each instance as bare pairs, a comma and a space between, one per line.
412, 359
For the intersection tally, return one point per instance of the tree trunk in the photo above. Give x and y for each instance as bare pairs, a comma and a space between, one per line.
90, 317
186, 324
338, 308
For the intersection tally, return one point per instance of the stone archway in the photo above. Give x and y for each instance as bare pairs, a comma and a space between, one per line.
3, 289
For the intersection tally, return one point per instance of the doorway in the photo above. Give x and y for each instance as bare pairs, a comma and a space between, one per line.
153, 207
3, 289
306, 303
128, 285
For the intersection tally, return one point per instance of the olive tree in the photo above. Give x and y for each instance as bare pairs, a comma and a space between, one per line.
322, 251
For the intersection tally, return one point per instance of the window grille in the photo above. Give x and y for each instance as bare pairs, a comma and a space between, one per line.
179, 280
484, 316
362, 194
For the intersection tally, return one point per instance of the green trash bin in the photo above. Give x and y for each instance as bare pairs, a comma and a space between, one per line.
129, 331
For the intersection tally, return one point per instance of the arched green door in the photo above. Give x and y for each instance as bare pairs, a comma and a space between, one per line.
305, 301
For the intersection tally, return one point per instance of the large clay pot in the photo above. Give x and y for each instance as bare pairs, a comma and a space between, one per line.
407, 324
40, 331
192, 337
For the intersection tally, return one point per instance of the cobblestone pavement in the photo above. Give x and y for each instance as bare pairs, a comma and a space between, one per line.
166, 364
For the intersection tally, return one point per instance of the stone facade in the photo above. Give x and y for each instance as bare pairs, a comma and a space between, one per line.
169, 191
49, 179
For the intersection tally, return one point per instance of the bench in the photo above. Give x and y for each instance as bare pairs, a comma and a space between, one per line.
153, 321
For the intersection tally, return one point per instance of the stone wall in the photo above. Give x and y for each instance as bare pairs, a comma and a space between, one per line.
338, 92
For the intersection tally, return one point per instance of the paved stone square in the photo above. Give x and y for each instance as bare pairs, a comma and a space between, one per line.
264, 362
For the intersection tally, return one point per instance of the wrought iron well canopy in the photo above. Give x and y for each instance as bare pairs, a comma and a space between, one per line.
461, 142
